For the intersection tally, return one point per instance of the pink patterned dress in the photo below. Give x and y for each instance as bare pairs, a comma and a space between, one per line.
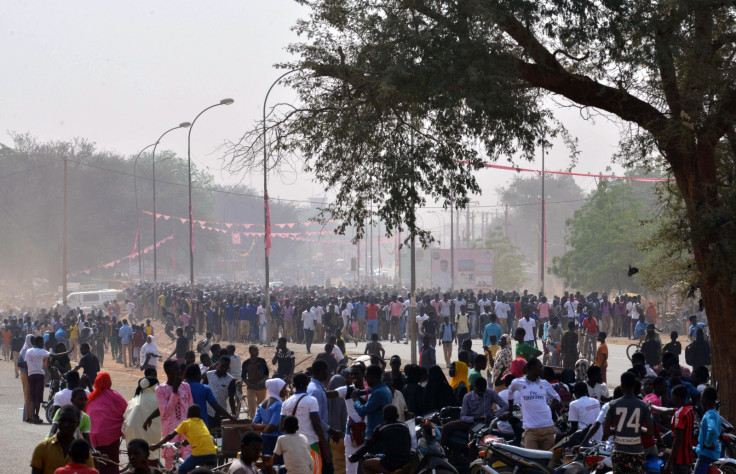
173, 408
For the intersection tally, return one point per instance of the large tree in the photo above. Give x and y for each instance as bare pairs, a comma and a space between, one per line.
414, 89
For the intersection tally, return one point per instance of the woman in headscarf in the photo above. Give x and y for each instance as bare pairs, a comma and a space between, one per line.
268, 414
28, 411
106, 409
651, 313
413, 392
139, 407
459, 381
437, 393
149, 354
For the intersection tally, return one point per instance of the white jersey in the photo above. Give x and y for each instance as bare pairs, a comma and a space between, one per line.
585, 411
534, 397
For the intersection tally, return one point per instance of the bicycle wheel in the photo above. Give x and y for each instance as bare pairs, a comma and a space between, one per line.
50, 412
632, 349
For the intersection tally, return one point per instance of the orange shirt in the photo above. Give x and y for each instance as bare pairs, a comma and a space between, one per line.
602, 349
7, 335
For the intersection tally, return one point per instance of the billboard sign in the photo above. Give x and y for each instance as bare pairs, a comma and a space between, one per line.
473, 269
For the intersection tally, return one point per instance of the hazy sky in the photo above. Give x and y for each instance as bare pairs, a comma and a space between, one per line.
121, 73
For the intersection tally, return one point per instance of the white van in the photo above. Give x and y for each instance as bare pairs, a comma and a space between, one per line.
87, 299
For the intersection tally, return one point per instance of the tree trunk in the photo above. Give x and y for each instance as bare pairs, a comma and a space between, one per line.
697, 180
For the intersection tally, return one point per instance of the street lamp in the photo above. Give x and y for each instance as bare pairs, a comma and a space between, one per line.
227, 101
267, 289
155, 214
137, 215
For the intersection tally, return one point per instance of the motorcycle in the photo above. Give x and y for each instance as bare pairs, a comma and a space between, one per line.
57, 383
499, 458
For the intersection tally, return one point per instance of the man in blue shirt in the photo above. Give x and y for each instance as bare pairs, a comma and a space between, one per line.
640, 329
202, 394
359, 307
477, 408
126, 340
492, 328
381, 396
708, 449
230, 320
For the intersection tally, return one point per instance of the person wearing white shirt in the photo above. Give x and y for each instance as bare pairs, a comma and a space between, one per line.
64, 397
633, 312
353, 379
539, 429
584, 411
571, 306
528, 325
261, 312
502, 311
444, 307
582, 414
458, 303
420, 328
319, 312
308, 318
337, 353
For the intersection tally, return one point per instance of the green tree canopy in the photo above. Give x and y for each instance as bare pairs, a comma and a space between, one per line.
396, 95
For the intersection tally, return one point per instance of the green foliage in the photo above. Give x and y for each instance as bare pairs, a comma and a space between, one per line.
508, 271
603, 236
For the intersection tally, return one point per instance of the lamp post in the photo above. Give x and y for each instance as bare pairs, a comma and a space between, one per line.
137, 215
227, 101
267, 289
155, 214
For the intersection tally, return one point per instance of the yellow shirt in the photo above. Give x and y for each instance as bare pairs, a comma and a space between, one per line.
149, 330
196, 432
491, 352
74, 332
48, 456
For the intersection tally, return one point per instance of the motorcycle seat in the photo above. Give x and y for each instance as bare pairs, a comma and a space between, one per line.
533, 454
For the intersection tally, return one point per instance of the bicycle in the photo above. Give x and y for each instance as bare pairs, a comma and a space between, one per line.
635, 347
241, 399
589, 347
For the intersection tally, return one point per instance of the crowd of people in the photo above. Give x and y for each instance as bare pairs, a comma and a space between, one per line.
337, 414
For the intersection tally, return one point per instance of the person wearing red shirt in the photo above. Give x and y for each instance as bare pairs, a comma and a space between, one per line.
590, 324
683, 444
371, 317
79, 452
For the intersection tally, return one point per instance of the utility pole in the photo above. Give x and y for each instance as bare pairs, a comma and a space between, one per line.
452, 246
543, 235
506, 220
63, 242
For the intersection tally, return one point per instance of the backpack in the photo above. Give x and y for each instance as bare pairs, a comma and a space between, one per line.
691, 355
201, 344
